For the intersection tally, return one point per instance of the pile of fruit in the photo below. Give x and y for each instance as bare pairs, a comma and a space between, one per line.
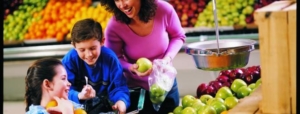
188, 10
226, 77
96, 12
54, 19
222, 94
48, 19
17, 23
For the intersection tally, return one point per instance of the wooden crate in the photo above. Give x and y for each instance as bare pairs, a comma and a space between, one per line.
277, 37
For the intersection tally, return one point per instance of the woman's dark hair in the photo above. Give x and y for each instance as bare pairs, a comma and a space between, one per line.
147, 10
86, 29
39, 71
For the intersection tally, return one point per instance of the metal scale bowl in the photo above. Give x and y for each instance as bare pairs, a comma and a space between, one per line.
217, 55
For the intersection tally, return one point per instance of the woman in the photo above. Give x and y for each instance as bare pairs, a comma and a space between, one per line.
144, 28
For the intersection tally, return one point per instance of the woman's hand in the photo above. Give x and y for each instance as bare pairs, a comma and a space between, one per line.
87, 92
120, 106
64, 106
133, 68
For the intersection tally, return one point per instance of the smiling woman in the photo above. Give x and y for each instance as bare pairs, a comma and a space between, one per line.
145, 25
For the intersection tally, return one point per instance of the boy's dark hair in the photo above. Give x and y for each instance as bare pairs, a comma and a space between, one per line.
86, 29
39, 71
147, 11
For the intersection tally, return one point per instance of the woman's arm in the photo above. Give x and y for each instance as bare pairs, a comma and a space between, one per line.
176, 34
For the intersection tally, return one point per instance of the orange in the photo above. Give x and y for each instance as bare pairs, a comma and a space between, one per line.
52, 103
59, 37
80, 111
224, 112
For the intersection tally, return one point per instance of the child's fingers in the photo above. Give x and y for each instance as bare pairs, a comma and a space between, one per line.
53, 110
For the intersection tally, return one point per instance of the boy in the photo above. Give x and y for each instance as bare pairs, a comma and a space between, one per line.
89, 58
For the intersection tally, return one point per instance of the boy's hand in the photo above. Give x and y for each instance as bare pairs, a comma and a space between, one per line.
133, 68
87, 92
120, 106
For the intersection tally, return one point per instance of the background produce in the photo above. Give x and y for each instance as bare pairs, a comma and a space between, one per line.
96, 11
17, 23
54, 19
188, 10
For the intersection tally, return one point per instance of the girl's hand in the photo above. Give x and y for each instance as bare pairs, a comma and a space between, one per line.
64, 106
120, 106
87, 92
133, 68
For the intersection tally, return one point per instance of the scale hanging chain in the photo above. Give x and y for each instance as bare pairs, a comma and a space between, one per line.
216, 24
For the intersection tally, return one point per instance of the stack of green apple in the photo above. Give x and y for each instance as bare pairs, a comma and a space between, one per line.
240, 88
17, 23
225, 99
229, 13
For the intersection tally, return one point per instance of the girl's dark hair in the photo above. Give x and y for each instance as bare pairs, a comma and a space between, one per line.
147, 11
39, 71
86, 29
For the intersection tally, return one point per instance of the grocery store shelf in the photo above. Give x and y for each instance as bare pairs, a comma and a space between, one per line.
59, 50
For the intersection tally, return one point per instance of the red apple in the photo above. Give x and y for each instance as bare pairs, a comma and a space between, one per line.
201, 89
186, 6
226, 84
211, 90
194, 6
225, 72
179, 7
217, 85
223, 79
256, 75
236, 73
184, 17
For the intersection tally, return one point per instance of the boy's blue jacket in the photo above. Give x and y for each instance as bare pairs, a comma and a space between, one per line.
107, 69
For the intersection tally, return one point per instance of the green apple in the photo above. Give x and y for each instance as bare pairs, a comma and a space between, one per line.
207, 110
224, 92
178, 110
219, 107
156, 90
243, 91
230, 102
157, 99
258, 81
204, 98
236, 84
188, 110
197, 104
252, 86
144, 64
212, 100
188, 100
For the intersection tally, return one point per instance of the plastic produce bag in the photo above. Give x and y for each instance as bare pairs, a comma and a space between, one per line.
160, 81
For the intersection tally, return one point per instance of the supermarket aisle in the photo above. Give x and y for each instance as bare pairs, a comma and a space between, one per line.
189, 77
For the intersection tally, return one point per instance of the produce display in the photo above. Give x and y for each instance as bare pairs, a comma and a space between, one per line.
188, 10
222, 94
95, 11
17, 23
48, 19
55, 18
199, 13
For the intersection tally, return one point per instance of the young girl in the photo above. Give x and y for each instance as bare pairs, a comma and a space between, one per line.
46, 80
